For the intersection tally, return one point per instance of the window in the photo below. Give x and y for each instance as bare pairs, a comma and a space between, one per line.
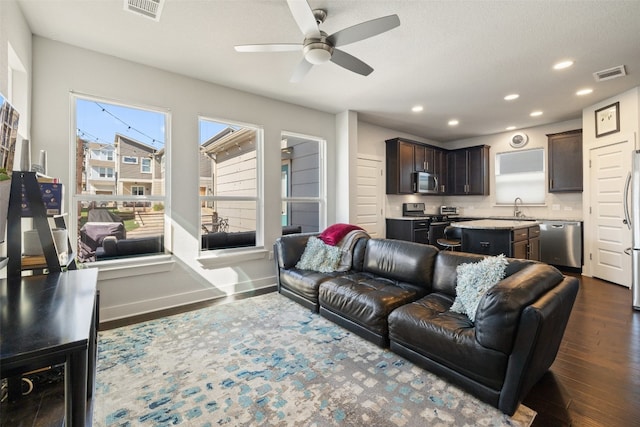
116, 199
102, 172
229, 185
516, 170
302, 183
145, 165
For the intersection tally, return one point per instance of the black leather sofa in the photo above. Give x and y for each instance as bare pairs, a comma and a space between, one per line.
238, 239
399, 293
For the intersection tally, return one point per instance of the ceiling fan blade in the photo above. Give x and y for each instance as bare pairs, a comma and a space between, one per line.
364, 30
303, 16
350, 62
272, 47
301, 70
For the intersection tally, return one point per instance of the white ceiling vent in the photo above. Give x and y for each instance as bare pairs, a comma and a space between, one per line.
149, 8
609, 74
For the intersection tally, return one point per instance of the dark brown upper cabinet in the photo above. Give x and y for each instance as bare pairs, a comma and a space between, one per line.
405, 157
565, 161
468, 171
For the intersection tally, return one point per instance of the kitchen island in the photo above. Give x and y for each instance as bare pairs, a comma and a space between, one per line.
513, 238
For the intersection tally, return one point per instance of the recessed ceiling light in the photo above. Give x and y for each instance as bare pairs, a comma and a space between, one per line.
536, 113
417, 108
453, 122
510, 128
582, 92
511, 97
562, 65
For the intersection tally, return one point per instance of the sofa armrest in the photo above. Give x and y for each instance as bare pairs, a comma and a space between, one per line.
540, 333
288, 249
500, 309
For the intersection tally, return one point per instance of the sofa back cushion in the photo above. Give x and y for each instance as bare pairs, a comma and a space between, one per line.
499, 311
400, 260
445, 277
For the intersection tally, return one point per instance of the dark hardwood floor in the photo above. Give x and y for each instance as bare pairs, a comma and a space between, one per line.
595, 380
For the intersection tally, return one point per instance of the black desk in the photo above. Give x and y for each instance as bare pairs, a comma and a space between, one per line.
48, 320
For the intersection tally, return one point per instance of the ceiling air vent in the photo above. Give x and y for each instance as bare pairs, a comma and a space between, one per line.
149, 8
609, 74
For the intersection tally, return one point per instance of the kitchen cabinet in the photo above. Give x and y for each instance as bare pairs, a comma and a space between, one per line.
440, 163
400, 166
526, 243
494, 237
403, 157
565, 161
468, 171
412, 230
424, 160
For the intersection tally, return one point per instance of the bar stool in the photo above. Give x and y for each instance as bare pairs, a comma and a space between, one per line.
452, 239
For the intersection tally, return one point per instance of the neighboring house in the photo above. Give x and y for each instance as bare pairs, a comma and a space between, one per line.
138, 167
232, 171
99, 169
125, 168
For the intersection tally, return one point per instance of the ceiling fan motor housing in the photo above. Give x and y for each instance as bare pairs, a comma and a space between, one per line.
317, 50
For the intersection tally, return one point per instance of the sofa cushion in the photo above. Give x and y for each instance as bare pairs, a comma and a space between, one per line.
400, 261
474, 280
304, 282
366, 299
428, 327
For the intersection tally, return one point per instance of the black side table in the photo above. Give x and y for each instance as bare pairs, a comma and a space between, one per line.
48, 320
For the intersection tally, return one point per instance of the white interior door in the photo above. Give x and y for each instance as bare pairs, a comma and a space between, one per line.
369, 213
609, 168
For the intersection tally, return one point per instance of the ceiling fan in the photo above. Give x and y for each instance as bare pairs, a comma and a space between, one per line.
318, 47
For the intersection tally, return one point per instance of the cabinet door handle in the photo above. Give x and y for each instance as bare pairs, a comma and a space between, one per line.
485, 244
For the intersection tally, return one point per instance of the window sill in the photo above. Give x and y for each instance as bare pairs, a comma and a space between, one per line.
138, 266
222, 258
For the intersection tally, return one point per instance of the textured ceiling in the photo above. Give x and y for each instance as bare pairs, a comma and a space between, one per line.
456, 58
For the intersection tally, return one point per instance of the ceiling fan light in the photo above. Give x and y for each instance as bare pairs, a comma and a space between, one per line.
317, 56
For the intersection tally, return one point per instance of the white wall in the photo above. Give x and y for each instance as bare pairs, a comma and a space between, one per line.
15, 31
60, 69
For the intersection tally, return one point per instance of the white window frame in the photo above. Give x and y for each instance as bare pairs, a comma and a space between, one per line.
142, 165
129, 265
258, 198
137, 192
130, 160
321, 199
508, 183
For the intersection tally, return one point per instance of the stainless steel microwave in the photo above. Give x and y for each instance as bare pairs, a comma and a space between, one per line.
425, 183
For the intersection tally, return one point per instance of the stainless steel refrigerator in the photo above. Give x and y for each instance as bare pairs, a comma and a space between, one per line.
633, 222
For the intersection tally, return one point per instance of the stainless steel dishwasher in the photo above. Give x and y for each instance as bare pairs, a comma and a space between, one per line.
561, 243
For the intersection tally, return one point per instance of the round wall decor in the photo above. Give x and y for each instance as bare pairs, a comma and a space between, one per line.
519, 140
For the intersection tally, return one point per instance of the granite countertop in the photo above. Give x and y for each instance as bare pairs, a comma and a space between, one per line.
495, 224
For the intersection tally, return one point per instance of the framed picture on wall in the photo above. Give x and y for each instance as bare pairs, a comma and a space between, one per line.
608, 120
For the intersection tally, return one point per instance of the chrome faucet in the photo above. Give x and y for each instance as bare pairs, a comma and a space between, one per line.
516, 212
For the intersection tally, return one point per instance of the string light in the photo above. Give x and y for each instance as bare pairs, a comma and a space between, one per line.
81, 133
129, 127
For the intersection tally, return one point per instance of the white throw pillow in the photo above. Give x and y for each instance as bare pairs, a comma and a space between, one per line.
318, 256
474, 280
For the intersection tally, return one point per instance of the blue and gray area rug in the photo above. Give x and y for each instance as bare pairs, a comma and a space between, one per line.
267, 361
